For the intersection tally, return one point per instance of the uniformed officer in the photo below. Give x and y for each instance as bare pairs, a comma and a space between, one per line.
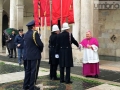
34, 47
53, 61
65, 39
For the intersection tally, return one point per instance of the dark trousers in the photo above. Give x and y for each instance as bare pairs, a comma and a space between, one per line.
53, 71
38, 65
25, 64
11, 52
8, 50
67, 79
30, 74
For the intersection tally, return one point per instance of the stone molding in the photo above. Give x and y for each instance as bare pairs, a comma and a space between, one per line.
1, 10
20, 6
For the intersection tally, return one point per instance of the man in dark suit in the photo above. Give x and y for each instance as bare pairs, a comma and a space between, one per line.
12, 45
53, 61
19, 41
34, 47
65, 39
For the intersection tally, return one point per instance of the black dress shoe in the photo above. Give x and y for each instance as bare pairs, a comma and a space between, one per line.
88, 76
70, 82
62, 81
36, 88
51, 78
11, 57
25, 89
96, 76
56, 79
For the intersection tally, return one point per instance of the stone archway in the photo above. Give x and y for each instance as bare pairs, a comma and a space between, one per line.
5, 21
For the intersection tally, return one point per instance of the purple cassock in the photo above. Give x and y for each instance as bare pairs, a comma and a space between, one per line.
90, 57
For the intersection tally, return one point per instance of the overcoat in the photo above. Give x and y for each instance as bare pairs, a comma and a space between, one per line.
52, 49
33, 52
65, 39
19, 40
11, 43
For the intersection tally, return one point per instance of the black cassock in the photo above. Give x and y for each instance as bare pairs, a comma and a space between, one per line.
64, 41
52, 60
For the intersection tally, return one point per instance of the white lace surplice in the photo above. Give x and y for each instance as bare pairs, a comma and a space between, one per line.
89, 55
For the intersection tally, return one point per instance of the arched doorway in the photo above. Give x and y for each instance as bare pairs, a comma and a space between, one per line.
5, 22
4, 26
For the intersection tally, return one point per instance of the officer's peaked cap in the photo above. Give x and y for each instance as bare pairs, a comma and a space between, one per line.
31, 23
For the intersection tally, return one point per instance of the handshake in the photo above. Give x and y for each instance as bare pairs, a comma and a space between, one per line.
79, 47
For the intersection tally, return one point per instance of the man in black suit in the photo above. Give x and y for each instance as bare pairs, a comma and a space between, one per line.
65, 39
53, 61
11, 44
34, 47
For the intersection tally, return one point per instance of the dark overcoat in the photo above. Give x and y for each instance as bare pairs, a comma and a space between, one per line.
33, 52
52, 49
11, 43
19, 40
65, 39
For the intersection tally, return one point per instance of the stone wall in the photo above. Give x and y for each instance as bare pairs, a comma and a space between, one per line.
109, 34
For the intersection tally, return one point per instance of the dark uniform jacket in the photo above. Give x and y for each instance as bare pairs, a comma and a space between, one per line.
33, 52
19, 40
11, 43
64, 42
52, 49
24, 53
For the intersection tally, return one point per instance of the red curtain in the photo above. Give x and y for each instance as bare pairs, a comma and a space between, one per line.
65, 8
71, 13
36, 13
56, 11
47, 21
45, 11
45, 8
67, 11
42, 9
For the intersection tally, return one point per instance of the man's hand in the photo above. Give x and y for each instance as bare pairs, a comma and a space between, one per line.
79, 47
18, 45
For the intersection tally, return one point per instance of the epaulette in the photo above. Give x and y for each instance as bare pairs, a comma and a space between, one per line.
34, 39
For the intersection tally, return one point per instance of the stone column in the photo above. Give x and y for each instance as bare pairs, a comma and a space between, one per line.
96, 25
13, 14
1, 16
86, 17
45, 38
46, 32
76, 31
76, 25
20, 13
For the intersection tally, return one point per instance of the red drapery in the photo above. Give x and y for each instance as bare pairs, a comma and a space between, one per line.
71, 13
45, 12
42, 9
56, 7
45, 8
36, 12
67, 11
